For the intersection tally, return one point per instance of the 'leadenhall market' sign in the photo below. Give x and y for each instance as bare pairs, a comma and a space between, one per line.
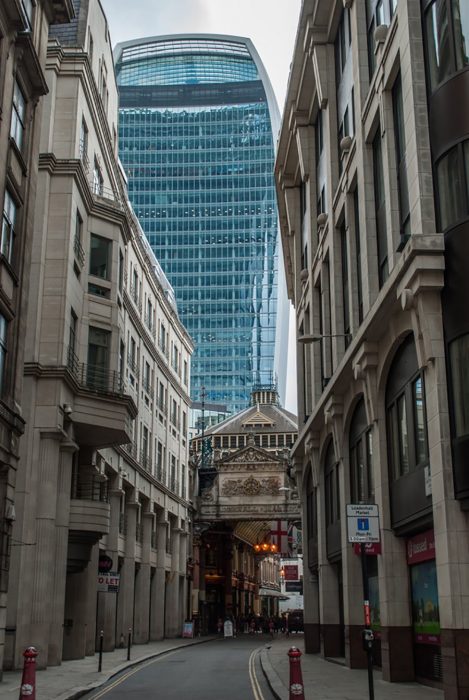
421, 547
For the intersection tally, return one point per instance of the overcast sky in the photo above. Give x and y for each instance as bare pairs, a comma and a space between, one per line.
271, 24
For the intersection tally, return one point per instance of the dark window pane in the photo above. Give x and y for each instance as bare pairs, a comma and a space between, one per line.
438, 42
403, 436
100, 249
461, 32
459, 352
419, 418
452, 197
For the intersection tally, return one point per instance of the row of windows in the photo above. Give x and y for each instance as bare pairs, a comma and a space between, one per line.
406, 428
188, 69
446, 24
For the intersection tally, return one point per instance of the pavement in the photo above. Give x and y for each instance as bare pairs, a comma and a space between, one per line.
323, 679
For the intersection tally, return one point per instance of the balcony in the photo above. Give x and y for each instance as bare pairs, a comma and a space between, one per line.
161, 405
102, 412
89, 508
133, 365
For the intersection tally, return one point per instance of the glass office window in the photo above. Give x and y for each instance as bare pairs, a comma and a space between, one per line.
100, 256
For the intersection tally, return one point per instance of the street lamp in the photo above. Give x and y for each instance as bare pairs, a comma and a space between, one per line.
316, 337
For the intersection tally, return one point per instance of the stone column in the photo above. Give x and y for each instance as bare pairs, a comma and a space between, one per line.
172, 588
158, 584
61, 545
125, 604
91, 584
43, 565
142, 585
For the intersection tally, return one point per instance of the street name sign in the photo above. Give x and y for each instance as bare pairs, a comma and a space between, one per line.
362, 523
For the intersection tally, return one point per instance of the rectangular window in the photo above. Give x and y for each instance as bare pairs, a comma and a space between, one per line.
380, 209
358, 255
83, 146
100, 256
18, 114
452, 196
121, 271
99, 343
403, 436
27, 6
458, 353
72, 341
3, 349
98, 180
8, 226
399, 135
345, 283
419, 423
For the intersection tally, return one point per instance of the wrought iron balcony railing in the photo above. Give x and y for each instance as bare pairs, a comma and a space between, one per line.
94, 377
78, 250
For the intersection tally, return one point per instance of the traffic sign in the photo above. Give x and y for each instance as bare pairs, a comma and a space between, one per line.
363, 522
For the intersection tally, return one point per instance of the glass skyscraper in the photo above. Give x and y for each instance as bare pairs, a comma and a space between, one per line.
197, 125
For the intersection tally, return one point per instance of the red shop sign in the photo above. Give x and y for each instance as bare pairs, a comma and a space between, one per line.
291, 572
421, 547
371, 548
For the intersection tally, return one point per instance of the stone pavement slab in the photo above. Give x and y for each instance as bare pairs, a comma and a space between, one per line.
326, 680
75, 678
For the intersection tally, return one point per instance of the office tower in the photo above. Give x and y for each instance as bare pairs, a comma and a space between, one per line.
198, 120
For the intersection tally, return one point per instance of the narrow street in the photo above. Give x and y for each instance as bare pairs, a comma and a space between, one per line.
227, 668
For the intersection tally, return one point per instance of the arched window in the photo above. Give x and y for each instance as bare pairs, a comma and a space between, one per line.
332, 498
311, 524
405, 410
361, 456
407, 439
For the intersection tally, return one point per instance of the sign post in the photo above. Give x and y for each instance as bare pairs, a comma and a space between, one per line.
363, 528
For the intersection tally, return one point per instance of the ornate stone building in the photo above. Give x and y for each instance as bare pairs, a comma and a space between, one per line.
102, 498
24, 26
374, 206
244, 485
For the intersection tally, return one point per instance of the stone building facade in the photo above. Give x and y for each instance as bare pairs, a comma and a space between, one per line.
24, 27
103, 478
374, 203
246, 499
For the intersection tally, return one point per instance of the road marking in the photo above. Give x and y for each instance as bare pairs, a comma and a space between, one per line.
123, 678
256, 689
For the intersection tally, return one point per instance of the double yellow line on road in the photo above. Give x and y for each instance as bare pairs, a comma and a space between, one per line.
256, 689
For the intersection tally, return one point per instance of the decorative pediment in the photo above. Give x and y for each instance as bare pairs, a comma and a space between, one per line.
250, 455
259, 418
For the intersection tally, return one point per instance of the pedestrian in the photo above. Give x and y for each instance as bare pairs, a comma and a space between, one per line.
252, 626
219, 626
271, 627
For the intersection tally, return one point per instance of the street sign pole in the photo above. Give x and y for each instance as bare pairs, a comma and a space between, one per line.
366, 610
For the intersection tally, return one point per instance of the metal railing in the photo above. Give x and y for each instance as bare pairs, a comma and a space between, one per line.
145, 460
133, 292
95, 378
133, 365
147, 387
163, 347
161, 405
150, 324
159, 473
131, 448
78, 250
177, 423
90, 488
174, 485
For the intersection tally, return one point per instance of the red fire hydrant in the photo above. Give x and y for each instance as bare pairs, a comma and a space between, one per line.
28, 682
297, 691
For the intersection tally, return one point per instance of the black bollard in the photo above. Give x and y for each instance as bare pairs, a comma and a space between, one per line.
101, 642
129, 638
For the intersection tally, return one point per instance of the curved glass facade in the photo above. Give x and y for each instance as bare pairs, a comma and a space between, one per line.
195, 139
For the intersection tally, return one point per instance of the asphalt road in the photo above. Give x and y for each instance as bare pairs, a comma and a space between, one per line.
225, 668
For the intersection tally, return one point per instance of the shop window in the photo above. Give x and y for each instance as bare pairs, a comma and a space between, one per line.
361, 457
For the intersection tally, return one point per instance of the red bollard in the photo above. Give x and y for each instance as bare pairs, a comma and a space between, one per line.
28, 682
297, 691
